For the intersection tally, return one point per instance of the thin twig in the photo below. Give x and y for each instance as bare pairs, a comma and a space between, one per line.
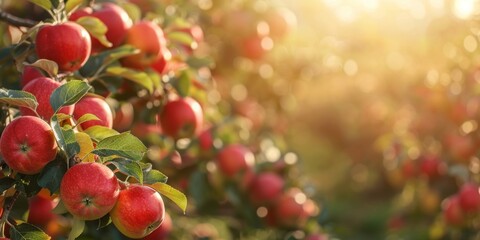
16, 21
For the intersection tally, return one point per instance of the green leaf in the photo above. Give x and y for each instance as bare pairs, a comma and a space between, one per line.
104, 221
132, 10
62, 117
96, 28
183, 84
45, 4
65, 138
196, 62
123, 145
25, 231
68, 94
98, 133
87, 117
50, 67
18, 98
181, 38
171, 193
153, 176
129, 167
6, 183
77, 228
140, 78
120, 52
51, 176
72, 5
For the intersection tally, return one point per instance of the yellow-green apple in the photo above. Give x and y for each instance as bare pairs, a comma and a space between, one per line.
265, 188
89, 190
94, 105
469, 195
28, 74
68, 44
234, 159
149, 38
452, 211
181, 118
138, 212
42, 88
115, 19
162, 232
27, 144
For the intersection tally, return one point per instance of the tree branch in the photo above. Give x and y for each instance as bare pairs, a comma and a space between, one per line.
16, 21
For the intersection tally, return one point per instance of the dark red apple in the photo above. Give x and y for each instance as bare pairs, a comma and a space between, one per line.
452, 211
266, 187
162, 232
470, 197
28, 74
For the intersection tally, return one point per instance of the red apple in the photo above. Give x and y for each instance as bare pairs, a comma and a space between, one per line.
28, 74
289, 209
96, 106
317, 236
27, 144
452, 211
138, 212
181, 118
68, 44
255, 47
234, 159
160, 65
40, 210
470, 197
162, 232
196, 33
89, 190
124, 117
148, 37
115, 19
42, 88
205, 140
266, 187
431, 166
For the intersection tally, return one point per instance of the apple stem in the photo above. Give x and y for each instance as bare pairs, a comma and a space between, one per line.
6, 211
16, 21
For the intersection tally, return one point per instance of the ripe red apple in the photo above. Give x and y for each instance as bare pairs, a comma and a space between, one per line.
123, 117
181, 118
27, 144
42, 88
234, 159
160, 65
162, 232
138, 212
96, 106
115, 19
431, 166
28, 74
452, 211
148, 37
40, 210
289, 209
266, 187
205, 140
89, 190
68, 44
470, 197
144, 130
255, 47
